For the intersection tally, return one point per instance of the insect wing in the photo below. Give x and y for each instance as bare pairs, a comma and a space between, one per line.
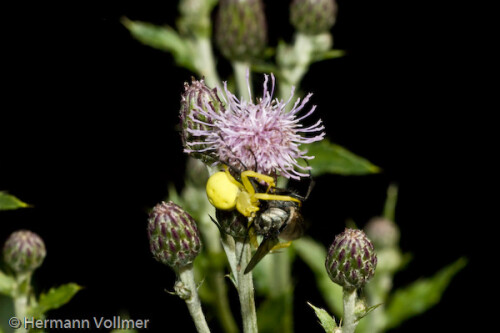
295, 227
263, 249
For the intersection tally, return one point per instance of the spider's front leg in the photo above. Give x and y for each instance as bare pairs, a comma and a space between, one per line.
248, 185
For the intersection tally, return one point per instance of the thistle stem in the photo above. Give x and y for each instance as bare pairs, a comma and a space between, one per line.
186, 289
245, 289
282, 289
205, 62
215, 280
350, 321
240, 74
21, 299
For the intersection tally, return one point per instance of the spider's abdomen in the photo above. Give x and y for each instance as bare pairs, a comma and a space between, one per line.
221, 192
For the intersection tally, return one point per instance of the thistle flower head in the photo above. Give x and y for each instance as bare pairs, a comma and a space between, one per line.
24, 251
351, 259
261, 136
173, 235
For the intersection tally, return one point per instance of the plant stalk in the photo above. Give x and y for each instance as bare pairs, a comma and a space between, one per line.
21, 299
282, 289
350, 320
186, 289
240, 74
245, 288
205, 62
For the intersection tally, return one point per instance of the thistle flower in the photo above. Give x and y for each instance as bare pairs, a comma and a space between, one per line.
240, 29
173, 235
313, 16
351, 259
260, 136
24, 251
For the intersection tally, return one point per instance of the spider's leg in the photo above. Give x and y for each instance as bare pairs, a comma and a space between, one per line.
248, 185
265, 196
281, 246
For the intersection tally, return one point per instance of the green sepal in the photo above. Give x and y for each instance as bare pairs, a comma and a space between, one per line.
334, 159
164, 39
421, 295
7, 284
325, 319
55, 298
314, 254
367, 311
8, 202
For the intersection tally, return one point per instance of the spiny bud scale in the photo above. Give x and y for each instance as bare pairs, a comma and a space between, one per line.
24, 251
351, 259
173, 235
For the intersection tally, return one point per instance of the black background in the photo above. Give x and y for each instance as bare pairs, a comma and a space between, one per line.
88, 138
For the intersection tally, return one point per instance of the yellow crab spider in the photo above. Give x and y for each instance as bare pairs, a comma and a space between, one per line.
226, 193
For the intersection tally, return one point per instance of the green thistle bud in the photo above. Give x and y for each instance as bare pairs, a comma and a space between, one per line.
351, 259
24, 251
195, 16
231, 223
241, 29
196, 101
313, 17
382, 232
173, 235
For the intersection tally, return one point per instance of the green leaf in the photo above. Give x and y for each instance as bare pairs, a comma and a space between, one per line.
420, 295
272, 314
390, 202
164, 39
7, 284
6, 312
330, 54
332, 158
314, 255
55, 298
8, 202
325, 319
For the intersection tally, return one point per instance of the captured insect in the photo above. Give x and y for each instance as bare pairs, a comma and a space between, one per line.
279, 214
278, 219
